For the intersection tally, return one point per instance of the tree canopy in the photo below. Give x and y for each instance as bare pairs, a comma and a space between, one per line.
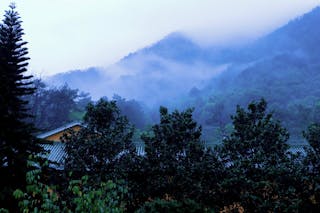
105, 139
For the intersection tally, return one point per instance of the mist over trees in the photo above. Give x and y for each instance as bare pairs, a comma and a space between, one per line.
130, 158
52, 107
280, 66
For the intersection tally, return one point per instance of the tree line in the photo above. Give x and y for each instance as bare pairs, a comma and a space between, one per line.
252, 170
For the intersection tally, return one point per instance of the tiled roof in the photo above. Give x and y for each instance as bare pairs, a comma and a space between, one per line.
60, 129
298, 149
56, 153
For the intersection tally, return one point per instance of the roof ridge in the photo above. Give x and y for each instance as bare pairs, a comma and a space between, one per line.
59, 129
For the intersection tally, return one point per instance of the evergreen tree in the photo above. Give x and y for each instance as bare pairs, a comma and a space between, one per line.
16, 139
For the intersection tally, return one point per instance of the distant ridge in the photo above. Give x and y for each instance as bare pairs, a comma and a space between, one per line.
167, 70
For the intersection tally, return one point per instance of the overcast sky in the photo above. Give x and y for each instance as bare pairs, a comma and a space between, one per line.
75, 34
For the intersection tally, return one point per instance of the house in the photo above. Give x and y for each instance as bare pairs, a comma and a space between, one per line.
56, 134
56, 149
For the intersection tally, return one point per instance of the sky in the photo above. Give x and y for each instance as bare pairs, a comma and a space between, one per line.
66, 35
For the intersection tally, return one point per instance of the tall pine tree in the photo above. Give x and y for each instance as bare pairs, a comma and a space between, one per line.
16, 139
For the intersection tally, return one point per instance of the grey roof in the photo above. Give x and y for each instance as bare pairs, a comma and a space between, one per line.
52, 132
298, 149
56, 154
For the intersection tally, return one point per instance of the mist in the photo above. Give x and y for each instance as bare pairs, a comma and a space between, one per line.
100, 33
207, 99
153, 75
178, 72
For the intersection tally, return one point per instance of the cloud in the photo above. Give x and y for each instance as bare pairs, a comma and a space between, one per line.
157, 81
144, 77
71, 34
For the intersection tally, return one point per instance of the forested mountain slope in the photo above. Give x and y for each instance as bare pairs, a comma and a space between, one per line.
283, 67
155, 75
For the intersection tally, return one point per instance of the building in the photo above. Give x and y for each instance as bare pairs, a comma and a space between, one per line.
56, 149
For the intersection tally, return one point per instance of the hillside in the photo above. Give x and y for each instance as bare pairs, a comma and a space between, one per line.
155, 75
282, 67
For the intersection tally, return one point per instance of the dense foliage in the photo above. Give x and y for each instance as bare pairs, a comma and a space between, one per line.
176, 163
252, 169
54, 107
82, 196
100, 146
258, 162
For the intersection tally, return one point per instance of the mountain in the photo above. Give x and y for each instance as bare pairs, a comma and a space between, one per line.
290, 55
156, 74
167, 70
283, 67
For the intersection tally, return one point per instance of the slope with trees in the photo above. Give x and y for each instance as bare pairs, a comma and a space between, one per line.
281, 67
251, 170
53, 107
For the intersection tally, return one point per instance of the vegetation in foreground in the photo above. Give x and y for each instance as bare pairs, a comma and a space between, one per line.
251, 171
